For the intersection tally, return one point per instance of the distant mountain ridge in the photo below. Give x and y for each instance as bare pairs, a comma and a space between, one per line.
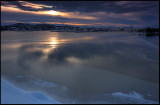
66, 28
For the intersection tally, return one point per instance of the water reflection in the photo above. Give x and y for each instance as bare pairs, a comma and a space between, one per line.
85, 63
106, 56
54, 42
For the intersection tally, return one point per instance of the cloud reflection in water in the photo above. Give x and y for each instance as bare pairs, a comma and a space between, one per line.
106, 56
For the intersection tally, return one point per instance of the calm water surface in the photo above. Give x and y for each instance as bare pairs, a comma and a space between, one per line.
90, 67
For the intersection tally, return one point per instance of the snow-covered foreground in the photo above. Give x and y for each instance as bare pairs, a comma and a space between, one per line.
13, 95
10, 94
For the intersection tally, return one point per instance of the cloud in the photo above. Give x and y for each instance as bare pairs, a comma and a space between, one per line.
76, 15
25, 5
32, 5
85, 6
82, 12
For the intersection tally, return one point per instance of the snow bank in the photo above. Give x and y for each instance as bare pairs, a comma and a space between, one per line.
133, 97
10, 94
133, 94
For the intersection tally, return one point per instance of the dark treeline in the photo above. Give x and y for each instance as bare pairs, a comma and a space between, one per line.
64, 28
149, 31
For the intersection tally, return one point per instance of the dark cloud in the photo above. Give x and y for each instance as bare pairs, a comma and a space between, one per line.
99, 6
20, 6
91, 6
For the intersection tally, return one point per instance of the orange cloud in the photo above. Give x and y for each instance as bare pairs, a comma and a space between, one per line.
74, 23
110, 24
32, 5
72, 15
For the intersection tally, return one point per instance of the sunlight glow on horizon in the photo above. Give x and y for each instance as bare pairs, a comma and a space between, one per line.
70, 15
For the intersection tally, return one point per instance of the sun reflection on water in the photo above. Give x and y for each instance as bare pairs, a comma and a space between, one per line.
53, 42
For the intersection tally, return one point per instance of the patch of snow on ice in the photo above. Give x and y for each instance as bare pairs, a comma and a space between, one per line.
132, 94
133, 97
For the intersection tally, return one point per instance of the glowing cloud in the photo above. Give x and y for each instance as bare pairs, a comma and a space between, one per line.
100, 13
72, 15
52, 12
32, 5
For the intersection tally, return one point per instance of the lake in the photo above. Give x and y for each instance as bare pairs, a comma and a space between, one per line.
87, 67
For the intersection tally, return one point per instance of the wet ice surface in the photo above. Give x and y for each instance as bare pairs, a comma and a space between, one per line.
95, 67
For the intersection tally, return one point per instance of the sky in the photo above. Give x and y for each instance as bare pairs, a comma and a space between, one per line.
91, 13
